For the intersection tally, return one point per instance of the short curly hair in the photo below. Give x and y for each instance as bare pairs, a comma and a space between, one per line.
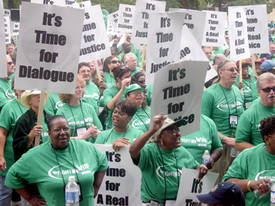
126, 106
65, 98
267, 126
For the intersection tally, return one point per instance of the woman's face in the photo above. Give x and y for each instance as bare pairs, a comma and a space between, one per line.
170, 138
258, 68
78, 91
119, 118
136, 97
113, 63
59, 132
125, 76
34, 100
141, 81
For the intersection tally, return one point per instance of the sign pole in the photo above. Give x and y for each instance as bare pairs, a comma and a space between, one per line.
40, 116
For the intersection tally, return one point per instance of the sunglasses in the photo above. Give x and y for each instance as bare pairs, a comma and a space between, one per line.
232, 69
115, 62
9, 63
268, 89
141, 82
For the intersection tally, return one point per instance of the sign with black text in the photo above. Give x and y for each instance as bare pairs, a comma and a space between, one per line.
48, 50
94, 43
113, 18
3, 70
50, 2
125, 18
7, 29
15, 28
122, 180
177, 92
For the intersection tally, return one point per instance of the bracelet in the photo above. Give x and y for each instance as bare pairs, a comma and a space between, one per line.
248, 185
222, 138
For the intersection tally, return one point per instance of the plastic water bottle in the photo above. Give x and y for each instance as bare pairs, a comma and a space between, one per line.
72, 193
205, 157
272, 195
260, 195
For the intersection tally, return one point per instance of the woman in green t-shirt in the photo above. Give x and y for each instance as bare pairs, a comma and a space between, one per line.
109, 64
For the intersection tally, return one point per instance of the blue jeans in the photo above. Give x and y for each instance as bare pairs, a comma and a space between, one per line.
5, 192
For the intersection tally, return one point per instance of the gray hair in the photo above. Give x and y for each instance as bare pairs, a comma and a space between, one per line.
222, 64
264, 77
127, 56
217, 57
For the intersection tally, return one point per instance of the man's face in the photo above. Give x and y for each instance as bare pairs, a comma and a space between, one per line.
229, 73
128, 38
208, 53
115, 41
267, 97
10, 49
10, 65
132, 62
272, 48
126, 47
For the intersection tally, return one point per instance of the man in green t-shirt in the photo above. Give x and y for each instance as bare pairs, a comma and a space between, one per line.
131, 61
248, 133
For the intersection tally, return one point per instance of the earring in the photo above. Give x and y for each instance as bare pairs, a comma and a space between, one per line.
161, 142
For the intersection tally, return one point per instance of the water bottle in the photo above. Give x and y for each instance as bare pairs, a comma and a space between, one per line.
260, 195
205, 157
72, 193
272, 195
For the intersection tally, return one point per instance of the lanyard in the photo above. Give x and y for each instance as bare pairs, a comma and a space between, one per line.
142, 120
82, 115
228, 103
112, 131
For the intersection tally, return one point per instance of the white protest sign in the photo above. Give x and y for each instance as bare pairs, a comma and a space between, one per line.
85, 4
163, 46
238, 33
50, 2
122, 180
257, 29
15, 28
193, 20
3, 69
191, 186
125, 18
48, 50
113, 18
177, 92
110, 29
7, 12
214, 28
7, 29
191, 50
94, 42
141, 18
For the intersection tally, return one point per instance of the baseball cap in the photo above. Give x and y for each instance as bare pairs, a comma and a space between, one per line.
225, 193
244, 62
266, 55
259, 61
132, 87
267, 65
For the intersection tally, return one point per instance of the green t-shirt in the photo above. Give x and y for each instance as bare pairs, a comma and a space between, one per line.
215, 103
74, 116
254, 91
91, 95
248, 127
254, 164
218, 51
108, 95
109, 78
8, 116
111, 135
205, 139
149, 88
6, 92
53, 103
151, 163
247, 91
141, 119
40, 166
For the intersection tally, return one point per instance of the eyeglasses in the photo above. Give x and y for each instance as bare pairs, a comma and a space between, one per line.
232, 69
174, 132
268, 89
115, 62
66, 129
141, 82
136, 93
208, 53
9, 63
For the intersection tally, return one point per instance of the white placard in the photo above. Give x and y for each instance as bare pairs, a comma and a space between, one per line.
214, 28
110, 30
3, 69
177, 92
125, 18
94, 42
113, 18
7, 12
7, 29
163, 46
122, 179
48, 50
191, 50
193, 20
141, 19
15, 28
238, 33
191, 186
257, 29
85, 4
50, 2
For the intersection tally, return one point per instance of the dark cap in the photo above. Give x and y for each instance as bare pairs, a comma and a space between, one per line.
266, 55
227, 193
244, 62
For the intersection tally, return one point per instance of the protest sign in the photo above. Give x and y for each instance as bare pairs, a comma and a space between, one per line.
191, 186
3, 69
238, 33
48, 50
113, 18
110, 29
143, 10
15, 29
7, 12
121, 183
85, 4
50, 2
163, 46
191, 50
177, 92
94, 42
193, 20
125, 18
7, 29
214, 29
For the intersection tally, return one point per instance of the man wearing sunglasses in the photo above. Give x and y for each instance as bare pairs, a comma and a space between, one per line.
248, 133
6, 93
